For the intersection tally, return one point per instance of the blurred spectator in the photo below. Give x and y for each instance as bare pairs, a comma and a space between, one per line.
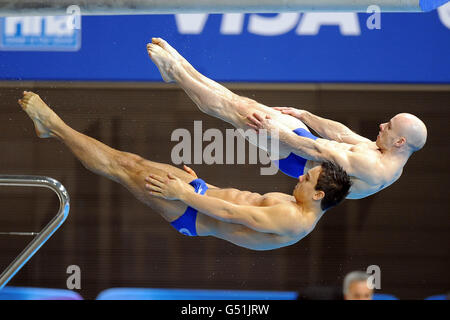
355, 286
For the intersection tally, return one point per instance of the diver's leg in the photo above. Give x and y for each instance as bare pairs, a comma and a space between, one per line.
209, 96
128, 169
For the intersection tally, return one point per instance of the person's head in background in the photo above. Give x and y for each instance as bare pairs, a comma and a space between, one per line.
355, 286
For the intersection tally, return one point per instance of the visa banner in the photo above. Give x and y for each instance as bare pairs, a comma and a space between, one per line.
287, 47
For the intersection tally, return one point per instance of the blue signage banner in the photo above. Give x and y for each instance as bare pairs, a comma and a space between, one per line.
287, 47
53, 33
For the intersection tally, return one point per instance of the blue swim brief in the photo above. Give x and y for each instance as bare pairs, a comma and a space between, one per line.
294, 165
186, 223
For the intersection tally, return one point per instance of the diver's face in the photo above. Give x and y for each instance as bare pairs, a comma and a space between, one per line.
388, 135
305, 188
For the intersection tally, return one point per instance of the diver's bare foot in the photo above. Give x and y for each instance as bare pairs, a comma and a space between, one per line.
163, 60
43, 117
166, 46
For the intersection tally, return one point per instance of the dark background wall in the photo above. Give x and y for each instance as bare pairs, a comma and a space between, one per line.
119, 242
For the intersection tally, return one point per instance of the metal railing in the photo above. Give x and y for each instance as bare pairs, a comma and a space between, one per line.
99, 7
42, 236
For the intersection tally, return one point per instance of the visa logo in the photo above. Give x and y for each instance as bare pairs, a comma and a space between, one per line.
304, 24
309, 23
50, 33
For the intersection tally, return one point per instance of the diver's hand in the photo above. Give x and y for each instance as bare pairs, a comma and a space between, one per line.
190, 171
259, 122
169, 188
296, 113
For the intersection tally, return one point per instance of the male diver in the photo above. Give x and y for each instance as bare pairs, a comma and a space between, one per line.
372, 165
193, 207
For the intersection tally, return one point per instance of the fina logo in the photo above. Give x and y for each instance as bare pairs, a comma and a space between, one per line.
49, 33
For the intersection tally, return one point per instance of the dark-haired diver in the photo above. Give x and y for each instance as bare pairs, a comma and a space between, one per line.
250, 220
